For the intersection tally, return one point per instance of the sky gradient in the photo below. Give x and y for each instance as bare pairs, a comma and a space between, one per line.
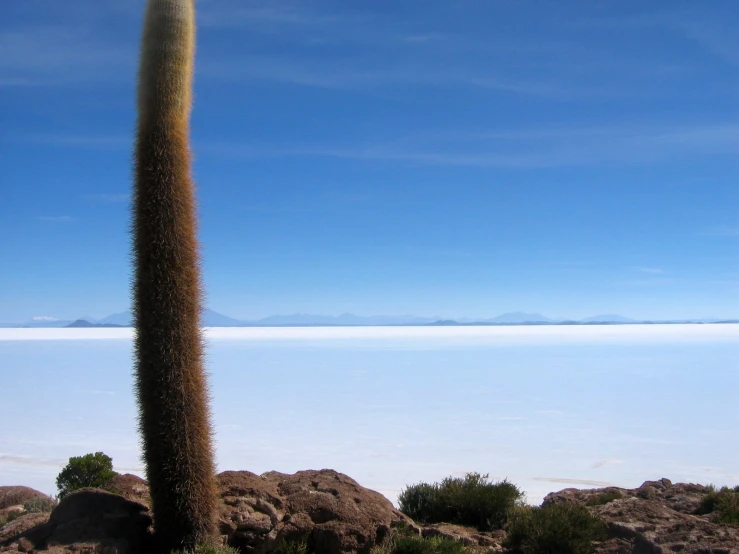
454, 159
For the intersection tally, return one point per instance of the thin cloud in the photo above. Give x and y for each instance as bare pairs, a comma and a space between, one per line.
109, 198
221, 15
28, 461
567, 481
44, 318
54, 54
602, 463
56, 218
649, 282
722, 232
533, 148
80, 141
652, 270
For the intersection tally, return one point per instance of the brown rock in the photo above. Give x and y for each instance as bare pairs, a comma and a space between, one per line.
658, 517
651, 524
469, 536
130, 486
32, 526
331, 510
12, 496
24, 545
88, 520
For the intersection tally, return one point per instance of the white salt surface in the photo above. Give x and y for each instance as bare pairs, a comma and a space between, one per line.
547, 407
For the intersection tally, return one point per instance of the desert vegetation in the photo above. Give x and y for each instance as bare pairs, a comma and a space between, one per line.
470, 500
723, 503
604, 498
174, 417
90, 470
562, 528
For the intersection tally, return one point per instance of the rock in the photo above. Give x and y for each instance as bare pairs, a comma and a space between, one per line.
13, 496
129, 486
88, 519
29, 524
336, 515
658, 517
329, 509
469, 536
654, 527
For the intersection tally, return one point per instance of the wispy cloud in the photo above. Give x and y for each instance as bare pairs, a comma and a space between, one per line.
29, 461
109, 198
527, 148
91, 141
647, 282
602, 463
44, 318
56, 218
652, 270
567, 481
54, 54
225, 15
724, 231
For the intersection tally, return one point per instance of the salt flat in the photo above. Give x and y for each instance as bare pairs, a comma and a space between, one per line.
545, 406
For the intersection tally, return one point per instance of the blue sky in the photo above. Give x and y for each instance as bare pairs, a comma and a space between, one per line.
435, 158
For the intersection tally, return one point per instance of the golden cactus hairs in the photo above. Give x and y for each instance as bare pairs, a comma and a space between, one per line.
171, 386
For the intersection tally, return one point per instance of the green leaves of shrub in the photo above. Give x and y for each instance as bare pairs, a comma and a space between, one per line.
90, 470
604, 498
208, 549
725, 502
554, 529
39, 505
470, 500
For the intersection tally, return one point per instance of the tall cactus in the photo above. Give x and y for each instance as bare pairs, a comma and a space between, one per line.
174, 418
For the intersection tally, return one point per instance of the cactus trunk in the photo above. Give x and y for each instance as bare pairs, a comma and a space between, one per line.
171, 384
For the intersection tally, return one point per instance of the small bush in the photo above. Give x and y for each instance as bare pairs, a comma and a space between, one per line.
413, 544
604, 498
90, 470
723, 501
40, 505
10, 516
293, 546
208, 549
470, 500
554, 529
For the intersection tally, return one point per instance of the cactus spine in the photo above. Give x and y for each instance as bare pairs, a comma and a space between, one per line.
171, 385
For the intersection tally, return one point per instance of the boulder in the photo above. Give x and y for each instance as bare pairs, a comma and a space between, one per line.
469, 536
334, 515
14, 496
652, 526
131, 487
86, 520
657, 517
328, 509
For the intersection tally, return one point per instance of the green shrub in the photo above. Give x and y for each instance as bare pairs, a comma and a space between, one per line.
90, 470
39, 505
604, 498
413, 544
554, 529
208, 549
469, 500
293, 546
10, 516
723, 501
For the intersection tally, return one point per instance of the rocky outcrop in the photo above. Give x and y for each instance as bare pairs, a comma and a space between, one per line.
11, 497
329, 509
658, 517
469, 536
334, 514
87, 520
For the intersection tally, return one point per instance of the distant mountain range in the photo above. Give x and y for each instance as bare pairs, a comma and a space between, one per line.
215, 319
